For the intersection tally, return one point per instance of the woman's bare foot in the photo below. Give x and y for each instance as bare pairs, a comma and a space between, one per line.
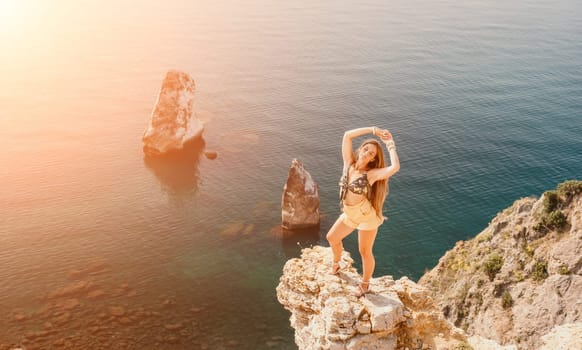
335, 268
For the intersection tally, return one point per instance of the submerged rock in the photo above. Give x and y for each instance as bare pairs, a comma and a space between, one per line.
73, 289
300, 200
238, 229
172, 124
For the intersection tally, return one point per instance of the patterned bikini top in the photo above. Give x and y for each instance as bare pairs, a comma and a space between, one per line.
358, 186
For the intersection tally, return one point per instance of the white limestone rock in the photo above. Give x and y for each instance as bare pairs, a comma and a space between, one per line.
564, 337
300, 200
537, 286
326, 314
172, 123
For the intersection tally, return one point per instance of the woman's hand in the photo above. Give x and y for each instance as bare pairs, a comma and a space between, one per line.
384, 134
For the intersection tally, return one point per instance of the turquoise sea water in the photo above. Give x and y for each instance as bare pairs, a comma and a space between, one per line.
483, 99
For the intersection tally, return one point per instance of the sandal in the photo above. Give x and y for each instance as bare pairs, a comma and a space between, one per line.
335, 268
361, 292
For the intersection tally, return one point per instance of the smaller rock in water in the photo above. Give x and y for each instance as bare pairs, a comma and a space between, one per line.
300, 200
211, 154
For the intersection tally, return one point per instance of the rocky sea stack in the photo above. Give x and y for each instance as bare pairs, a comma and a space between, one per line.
300, 199
519, 281
172, 123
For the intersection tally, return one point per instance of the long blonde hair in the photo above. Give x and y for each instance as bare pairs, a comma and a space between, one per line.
380, 187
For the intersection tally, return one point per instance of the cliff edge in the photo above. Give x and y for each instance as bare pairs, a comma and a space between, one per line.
519, 280
326, 315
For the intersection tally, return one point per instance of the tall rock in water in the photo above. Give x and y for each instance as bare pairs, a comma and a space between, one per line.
172, 124
300, 200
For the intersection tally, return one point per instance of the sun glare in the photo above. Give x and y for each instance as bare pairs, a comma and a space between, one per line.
7, 9
18, 15
11, 15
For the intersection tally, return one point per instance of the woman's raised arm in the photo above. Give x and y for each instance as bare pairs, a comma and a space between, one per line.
347, 150
394, 167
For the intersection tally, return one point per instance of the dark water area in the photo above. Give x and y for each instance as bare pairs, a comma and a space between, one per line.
102, 248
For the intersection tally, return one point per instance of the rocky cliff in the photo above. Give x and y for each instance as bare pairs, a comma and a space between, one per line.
519, 281
326, 315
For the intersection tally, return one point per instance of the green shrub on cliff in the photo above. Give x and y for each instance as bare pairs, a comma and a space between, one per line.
518, 276
540, 271
506, 300
529, 250
563, 270
463, 346
570, 188
493, 265
485, 237
556, 220
551, 201
540, 227
552, 217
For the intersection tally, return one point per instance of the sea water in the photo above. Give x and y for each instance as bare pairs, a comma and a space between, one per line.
483, 99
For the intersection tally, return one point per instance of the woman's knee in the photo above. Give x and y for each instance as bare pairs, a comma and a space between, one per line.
331, 238
338, 232
366, 253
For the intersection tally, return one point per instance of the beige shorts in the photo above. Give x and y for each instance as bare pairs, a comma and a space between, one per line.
361, 216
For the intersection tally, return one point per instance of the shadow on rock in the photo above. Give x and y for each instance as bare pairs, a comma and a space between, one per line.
178, 171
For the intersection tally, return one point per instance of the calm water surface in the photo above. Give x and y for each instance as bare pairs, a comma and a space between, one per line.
115, 251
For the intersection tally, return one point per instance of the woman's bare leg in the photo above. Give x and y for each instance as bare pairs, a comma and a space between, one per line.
335, 235
366, 242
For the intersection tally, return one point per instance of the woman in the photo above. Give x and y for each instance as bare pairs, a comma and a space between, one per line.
363, 189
